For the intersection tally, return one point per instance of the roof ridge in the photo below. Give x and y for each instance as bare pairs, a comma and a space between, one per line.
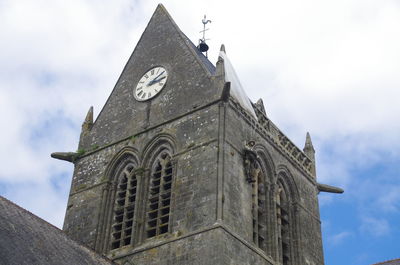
186, 40
30, 213
58, 230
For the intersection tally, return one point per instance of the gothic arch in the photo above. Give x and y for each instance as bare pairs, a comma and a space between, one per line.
126, 153
160, 171
269, 171
286, 195
160, 142
122, 167
286, 179
266, 162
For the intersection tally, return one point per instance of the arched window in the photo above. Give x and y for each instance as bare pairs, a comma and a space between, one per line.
282, 215
259, 207
122, 230
159, 196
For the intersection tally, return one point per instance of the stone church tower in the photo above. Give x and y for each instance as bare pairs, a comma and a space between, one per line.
181, 168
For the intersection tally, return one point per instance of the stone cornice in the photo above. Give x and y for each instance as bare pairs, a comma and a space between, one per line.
266, 128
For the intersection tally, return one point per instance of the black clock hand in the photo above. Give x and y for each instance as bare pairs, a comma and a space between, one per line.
158, 80
154, 80
159, 75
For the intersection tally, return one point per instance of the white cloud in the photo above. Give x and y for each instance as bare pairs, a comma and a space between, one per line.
340, 237
45, 198
389, 200
375, 226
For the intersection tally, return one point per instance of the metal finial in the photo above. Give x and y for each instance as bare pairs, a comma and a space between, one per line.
203, 47
205, 21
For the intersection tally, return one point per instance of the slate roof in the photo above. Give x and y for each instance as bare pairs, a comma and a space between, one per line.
237, 90
210, 67
389, 262
27, 239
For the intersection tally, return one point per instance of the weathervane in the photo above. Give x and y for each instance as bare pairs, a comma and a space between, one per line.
203, 47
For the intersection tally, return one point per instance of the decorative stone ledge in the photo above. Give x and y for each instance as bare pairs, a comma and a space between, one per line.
268, 129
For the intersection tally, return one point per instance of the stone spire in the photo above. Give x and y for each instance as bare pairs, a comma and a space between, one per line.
88, 123
310, 152
86, 127
260, 105
222, 49
219, 67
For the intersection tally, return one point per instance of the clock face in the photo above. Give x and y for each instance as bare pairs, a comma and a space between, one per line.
151, 83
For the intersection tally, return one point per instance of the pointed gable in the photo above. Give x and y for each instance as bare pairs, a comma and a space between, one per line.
190, 83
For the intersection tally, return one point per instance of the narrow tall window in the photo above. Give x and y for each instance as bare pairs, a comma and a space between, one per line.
159, 196
259, 207
124, 208
282, 214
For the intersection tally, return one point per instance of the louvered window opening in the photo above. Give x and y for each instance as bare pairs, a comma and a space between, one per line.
283, 227
124, 208
159, 197
259, 209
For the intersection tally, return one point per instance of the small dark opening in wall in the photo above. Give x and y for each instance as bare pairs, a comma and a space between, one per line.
152, 223
117, 235
153, 215
129, 215
154, 206
119, 218
165, 211
115, 245
154, 199
155, 190
151, 233
167, 186
118, 227
132, 198
167, 178
285, 260
156, 182
166, 202
260, 241
121, 202
127, 241
166, 195
168, 171
165, 219
163, 229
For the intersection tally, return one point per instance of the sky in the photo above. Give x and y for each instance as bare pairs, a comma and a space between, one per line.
331, 68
